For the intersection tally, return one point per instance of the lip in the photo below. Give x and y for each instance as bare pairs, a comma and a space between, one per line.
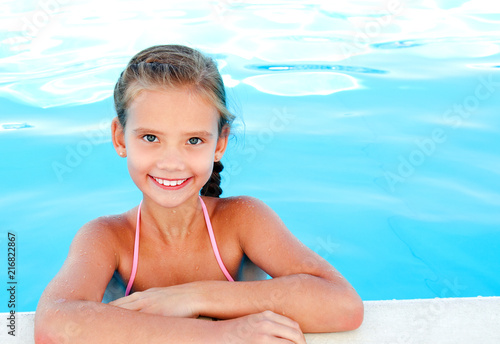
172, 188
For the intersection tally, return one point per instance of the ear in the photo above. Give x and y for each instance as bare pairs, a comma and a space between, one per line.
221, 146
118, 137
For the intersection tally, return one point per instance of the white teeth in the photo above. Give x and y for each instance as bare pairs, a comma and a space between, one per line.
169, 182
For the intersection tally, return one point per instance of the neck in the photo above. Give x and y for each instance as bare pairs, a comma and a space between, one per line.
171, 223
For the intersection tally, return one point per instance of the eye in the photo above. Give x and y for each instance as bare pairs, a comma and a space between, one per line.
195, 141
150, 138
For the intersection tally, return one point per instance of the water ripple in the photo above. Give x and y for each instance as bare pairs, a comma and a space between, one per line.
446, 47
484, 66
301, 67
16, 126
302, 84
411, 43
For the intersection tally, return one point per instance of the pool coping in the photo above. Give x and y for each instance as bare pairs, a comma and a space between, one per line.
439, 320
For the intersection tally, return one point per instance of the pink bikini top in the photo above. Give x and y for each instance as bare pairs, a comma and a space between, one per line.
210, 233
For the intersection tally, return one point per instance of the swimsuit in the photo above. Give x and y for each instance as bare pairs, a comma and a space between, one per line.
212, 240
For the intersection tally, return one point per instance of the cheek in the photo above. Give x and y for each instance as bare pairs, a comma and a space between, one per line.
138, 162
202, 162
135, 170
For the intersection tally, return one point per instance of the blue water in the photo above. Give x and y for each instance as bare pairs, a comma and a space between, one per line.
371, 128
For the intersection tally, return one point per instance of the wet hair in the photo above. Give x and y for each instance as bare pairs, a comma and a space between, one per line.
175, 66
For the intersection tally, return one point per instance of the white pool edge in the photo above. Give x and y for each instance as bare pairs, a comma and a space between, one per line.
443, 321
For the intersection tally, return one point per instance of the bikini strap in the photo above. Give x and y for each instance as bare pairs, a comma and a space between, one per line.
136, 251
214, 243
210, 233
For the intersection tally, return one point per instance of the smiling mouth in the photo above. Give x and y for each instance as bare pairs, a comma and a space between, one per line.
166, 182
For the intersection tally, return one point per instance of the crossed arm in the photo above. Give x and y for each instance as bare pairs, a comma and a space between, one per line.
305, 295
315, 303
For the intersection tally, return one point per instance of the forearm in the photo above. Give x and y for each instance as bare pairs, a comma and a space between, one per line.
94, 322
317, 304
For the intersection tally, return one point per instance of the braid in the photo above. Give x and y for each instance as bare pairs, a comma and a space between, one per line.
212, 187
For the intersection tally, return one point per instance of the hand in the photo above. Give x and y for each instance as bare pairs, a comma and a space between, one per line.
175, 301
265, 327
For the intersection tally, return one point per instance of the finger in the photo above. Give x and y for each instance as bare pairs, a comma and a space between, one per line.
119, 302
281, 319
284, 327
288, 333
126, 299
129, 303
133, 306
116, 302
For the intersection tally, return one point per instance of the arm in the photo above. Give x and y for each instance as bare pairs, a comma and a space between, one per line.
305, 287
314, 303
70, 309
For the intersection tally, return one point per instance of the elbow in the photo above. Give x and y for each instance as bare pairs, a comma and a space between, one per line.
346, 313
47, 329
44, 328
353, 314
41, 337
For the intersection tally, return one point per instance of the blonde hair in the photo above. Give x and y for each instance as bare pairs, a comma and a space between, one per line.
171, 66
175, 66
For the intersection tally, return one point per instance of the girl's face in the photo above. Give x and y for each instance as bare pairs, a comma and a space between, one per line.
171, 140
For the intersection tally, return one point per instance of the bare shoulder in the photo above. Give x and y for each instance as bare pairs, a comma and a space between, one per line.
104, 234
267, 242
240, 207
102, 227
240, 214
93, 257
248, 216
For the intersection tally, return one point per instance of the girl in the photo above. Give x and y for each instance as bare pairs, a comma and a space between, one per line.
180, 252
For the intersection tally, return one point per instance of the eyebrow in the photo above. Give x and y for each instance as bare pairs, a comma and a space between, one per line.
202, 133
146, 130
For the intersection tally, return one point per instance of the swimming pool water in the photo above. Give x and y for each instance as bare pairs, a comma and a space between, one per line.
371, 128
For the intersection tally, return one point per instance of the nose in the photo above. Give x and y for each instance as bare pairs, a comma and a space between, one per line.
171, 159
